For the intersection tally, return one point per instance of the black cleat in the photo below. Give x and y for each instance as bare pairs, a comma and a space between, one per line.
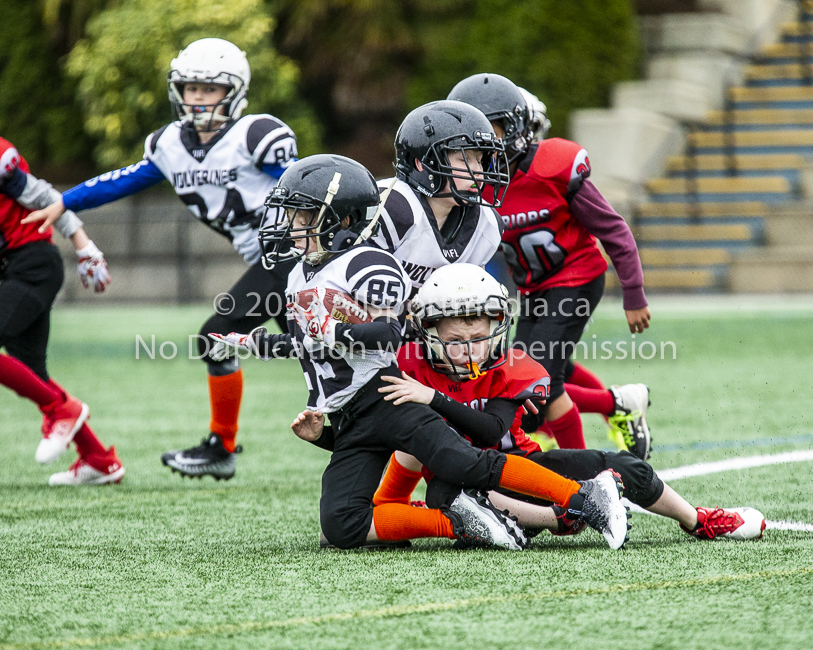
598, 504
209, 458
476, 522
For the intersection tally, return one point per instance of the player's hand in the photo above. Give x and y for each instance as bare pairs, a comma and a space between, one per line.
530, 406
319, 327
46, 215
638, 319
228, 345
406, 389
308, 425
92, 268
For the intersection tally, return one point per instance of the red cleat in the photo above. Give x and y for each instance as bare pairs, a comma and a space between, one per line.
60, 422
94, 469
734, 523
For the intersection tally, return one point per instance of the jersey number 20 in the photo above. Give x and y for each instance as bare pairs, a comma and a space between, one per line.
534, 257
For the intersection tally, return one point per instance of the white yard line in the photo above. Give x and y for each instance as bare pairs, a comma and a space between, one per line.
700, 469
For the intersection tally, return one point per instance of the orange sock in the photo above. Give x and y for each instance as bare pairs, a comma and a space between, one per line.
396, 521
526, 477
225, 393
397, 484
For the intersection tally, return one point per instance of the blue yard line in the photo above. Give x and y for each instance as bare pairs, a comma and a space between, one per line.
755, 223
732, 244
793, 126
733, 197
772, 104
736, 444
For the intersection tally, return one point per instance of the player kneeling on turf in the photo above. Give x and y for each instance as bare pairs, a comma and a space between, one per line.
463, 370
321, 204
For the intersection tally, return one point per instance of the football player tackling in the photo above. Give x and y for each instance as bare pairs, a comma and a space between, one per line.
322, 203
31, 275
463, 369
222, 166
553, 216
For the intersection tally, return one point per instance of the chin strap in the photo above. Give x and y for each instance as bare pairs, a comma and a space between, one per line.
368, 231
320, 253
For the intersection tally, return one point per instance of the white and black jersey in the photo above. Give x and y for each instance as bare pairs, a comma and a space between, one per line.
410, 232
225, 182
373, 278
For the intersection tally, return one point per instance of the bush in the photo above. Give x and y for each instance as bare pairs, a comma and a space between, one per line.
123, 63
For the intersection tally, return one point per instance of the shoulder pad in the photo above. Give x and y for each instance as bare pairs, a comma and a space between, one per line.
152, 141
561, 161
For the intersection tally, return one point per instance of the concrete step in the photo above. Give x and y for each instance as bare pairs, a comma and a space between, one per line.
790, 225
718, 162
781, 96
683, 256
736, 185
734, 233
786, 52
773, 269
789, 141
674, 280
707, 210
768, 117
767, 72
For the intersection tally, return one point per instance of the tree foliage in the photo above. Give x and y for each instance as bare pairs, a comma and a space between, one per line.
569, 53
123, 62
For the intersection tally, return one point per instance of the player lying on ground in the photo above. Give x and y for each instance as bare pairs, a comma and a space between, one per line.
31, 275
463, 371
323, 204
222, 166
553, 216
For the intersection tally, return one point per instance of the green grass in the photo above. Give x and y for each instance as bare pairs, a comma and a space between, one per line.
158, 562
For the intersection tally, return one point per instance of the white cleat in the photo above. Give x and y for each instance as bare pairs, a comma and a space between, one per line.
477, 522
59, 426
96, 469
602, 508
628, 423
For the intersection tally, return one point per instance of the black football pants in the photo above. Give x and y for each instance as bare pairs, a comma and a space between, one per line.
30, 278
255, 298
556, 318
367, 431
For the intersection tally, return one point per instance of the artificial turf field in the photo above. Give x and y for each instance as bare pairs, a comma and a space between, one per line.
160, 562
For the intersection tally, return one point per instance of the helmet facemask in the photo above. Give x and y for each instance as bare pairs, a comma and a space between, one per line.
280, 225
208, 117
465, 367
516, 131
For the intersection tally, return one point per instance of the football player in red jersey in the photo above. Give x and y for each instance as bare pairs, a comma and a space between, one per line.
553, 217
461, 369
31, 275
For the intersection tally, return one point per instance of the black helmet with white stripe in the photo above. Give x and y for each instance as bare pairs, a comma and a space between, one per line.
321, 201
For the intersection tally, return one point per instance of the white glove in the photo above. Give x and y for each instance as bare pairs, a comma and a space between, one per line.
92, 268
228, 345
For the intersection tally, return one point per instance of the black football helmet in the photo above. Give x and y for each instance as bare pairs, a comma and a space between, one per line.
430, 133
501, 101
332, 188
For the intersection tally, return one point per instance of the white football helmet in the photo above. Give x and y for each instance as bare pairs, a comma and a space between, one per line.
211, 61
538, 124
458, 290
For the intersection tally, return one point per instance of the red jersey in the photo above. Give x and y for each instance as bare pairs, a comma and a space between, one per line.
13, 234
544, 245
519, 378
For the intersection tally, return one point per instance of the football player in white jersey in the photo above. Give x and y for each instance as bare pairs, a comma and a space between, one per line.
222, 165
322, 204
446, 155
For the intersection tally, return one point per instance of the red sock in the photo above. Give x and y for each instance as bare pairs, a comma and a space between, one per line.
395, 522
526, 477
225, 394
591, 400
568, 430
87, 443
397, 484
581, 376
25, 382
